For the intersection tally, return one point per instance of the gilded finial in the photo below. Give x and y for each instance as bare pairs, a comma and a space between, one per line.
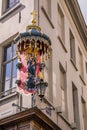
34, 14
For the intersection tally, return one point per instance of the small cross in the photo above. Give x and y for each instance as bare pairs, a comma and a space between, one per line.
34, 14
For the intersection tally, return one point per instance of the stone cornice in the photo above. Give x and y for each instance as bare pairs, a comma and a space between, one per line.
32, 114
78, 19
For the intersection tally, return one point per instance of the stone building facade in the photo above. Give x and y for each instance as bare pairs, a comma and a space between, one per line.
64, 106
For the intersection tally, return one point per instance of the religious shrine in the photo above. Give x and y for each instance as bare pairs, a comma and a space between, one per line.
33, 49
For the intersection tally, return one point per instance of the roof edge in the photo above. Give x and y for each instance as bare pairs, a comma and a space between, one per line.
78, 19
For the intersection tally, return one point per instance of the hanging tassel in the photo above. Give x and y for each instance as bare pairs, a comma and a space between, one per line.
18, 55
30, 45
46, 57
24, 46
35, 54
35, 45
30, 48
49, 54
20, 48
42, 58
44, 48
40, 46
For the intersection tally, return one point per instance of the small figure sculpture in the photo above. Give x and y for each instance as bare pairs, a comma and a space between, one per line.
34, 67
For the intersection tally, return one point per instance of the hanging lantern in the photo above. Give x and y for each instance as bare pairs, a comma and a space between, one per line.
41, 88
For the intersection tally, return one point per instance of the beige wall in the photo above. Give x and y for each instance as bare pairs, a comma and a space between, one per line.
60, 55
9, 26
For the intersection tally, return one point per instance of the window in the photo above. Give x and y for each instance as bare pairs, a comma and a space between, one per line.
86, 66
75, 106
63, 88
48, 7
8, 4
84, 112
9, 67
11, 3
72, 48
80, 61
60, 24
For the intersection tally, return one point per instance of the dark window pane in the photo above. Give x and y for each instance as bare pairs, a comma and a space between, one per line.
72, 47
12, 3
14, 68
17, 1
7, 85
14, 49
8, 53
9, 68
7, 71
14, 75
13, 82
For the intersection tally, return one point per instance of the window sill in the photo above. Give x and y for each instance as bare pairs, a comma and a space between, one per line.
74, 64
8, 96
65, 119
62, 44
4, 15
82, 79
47, 16
48, 102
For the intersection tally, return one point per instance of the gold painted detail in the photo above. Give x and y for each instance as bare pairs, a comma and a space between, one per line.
34, 14
32, 27
34, 47
17, 54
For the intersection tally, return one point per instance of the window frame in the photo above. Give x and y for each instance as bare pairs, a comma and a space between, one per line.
48, 7
81, 63
4, 63
75, 105
86, 66
83, 103
9, 6
5, 6
63, 89
61, 29
72, 47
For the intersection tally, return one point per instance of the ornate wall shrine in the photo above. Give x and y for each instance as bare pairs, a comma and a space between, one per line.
33, 49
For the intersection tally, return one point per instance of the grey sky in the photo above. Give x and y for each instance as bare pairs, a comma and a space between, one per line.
83, 6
